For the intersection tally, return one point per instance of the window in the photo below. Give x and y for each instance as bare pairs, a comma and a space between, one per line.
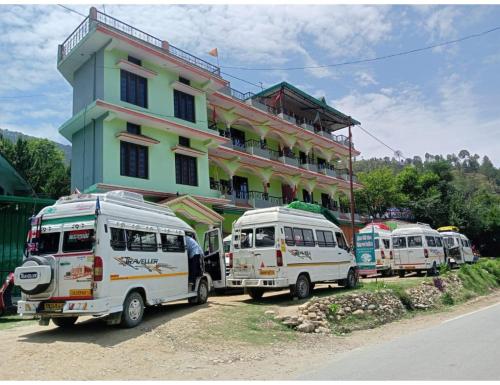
133, 160
289, 239
308, 237
246, 240
183, 141
341, 241
133, 128
438, 242
298, 237
48, 243
117, 239
133, 89
399, 243
211, 242
449, 242
172, 243
184, 81
431, 242
185, 170
377, 243
264, 237
141, 241
134, 60
387, 243
184, 106
415, 241
325, 238
78, 240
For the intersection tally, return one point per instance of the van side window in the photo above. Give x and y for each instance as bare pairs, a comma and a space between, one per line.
117, 239
78, 240
341, 241
431, 242
308, 237
325, 238
246, 241
172, 243
289, 239
141, 241
399, 243
264, 237
439, 243
377, 243
387, 243
416, 241
298, 237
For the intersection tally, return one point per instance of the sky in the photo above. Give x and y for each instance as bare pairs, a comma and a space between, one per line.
438, 101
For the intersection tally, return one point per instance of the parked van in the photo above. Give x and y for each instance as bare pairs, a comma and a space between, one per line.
383, 249
278, 247
110, 255
458, 246
417, 247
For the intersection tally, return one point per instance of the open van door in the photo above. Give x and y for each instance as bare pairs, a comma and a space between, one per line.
215, 263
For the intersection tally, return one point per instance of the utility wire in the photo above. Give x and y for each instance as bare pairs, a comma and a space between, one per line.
71, 10
380, 141
449, 42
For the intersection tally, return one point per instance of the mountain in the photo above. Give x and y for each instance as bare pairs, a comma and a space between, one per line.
14, 135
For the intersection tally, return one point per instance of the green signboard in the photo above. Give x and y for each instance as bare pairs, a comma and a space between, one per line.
365, 253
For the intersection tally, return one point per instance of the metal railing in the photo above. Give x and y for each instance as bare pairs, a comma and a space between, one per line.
236, 94
83, 29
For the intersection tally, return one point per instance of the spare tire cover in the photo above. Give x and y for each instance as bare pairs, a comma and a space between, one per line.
40, 288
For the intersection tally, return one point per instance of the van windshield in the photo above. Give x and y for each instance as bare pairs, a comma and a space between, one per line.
78, 240
48, 243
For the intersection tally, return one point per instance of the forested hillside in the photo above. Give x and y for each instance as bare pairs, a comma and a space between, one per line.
461, 190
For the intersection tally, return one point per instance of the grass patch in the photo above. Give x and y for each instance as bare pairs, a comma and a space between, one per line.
12, 321
248, 323
478, 278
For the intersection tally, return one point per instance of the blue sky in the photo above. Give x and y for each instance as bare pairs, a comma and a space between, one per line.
438, 101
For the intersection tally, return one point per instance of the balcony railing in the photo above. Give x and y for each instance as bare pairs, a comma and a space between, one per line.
260, 199
236, 94
98, 17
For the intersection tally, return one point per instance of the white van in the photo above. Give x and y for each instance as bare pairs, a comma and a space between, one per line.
383, 249
278, 247
417, 247
458, 245
110, 255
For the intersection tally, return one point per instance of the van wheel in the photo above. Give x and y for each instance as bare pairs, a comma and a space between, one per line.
64, 322
133, 310
255, 293
302, 287
351, 280
202, 294
401, 273
433, 271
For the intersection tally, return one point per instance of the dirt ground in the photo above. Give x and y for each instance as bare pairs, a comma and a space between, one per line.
230, 337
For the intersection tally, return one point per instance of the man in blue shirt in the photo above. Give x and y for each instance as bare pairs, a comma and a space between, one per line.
195, 253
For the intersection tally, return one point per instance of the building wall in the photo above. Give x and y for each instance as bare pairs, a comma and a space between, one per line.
88, 81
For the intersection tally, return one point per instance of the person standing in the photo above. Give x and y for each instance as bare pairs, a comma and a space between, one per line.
195, 254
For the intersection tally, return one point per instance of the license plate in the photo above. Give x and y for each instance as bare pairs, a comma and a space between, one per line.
410, 267
53, 306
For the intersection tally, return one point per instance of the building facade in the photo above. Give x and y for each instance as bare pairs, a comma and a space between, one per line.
152, 118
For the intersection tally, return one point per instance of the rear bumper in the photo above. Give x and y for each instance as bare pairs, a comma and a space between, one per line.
258, 282
73, 308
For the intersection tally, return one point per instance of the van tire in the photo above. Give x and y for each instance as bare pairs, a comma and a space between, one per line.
201, 294
255, 293
302, 288
351, 281
41, 261
433, 271
64, 322
133, 310
401, 273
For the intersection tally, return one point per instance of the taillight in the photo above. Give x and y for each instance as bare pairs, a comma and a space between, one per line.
97, 269
382, 253
279, 258
426, 253
230, 260
390, 254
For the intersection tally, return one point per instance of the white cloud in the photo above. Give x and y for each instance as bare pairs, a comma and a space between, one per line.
365, 78
409, 121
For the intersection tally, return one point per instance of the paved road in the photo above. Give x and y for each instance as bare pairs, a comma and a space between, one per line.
464, 348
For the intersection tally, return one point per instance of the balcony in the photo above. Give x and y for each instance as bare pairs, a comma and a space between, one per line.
288, 158
96, 17
308, 164
260, 200
327, 169
256, 148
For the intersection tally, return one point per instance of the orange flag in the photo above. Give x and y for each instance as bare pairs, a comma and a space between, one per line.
213, 52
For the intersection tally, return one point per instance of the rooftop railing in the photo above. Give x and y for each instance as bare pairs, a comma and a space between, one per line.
98, 17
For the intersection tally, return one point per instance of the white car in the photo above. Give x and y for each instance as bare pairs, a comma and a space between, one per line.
110, 255
278, 247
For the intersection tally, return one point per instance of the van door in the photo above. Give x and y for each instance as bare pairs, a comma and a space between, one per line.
215, 264
264, 251
75, 265
244, 259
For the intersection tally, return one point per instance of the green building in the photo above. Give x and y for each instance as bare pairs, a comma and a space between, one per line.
154, 119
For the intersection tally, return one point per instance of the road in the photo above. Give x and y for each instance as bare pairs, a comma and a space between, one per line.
462, 348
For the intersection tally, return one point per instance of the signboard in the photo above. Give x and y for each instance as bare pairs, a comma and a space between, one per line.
365, 253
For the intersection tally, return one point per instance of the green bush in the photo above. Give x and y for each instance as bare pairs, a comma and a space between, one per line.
334, 308
447, 299
478, 278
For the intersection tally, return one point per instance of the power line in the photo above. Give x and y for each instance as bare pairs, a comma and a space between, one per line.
71, 10
242, 80
449, 42
382, 142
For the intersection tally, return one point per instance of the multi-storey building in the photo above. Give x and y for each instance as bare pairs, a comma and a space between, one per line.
152, 118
